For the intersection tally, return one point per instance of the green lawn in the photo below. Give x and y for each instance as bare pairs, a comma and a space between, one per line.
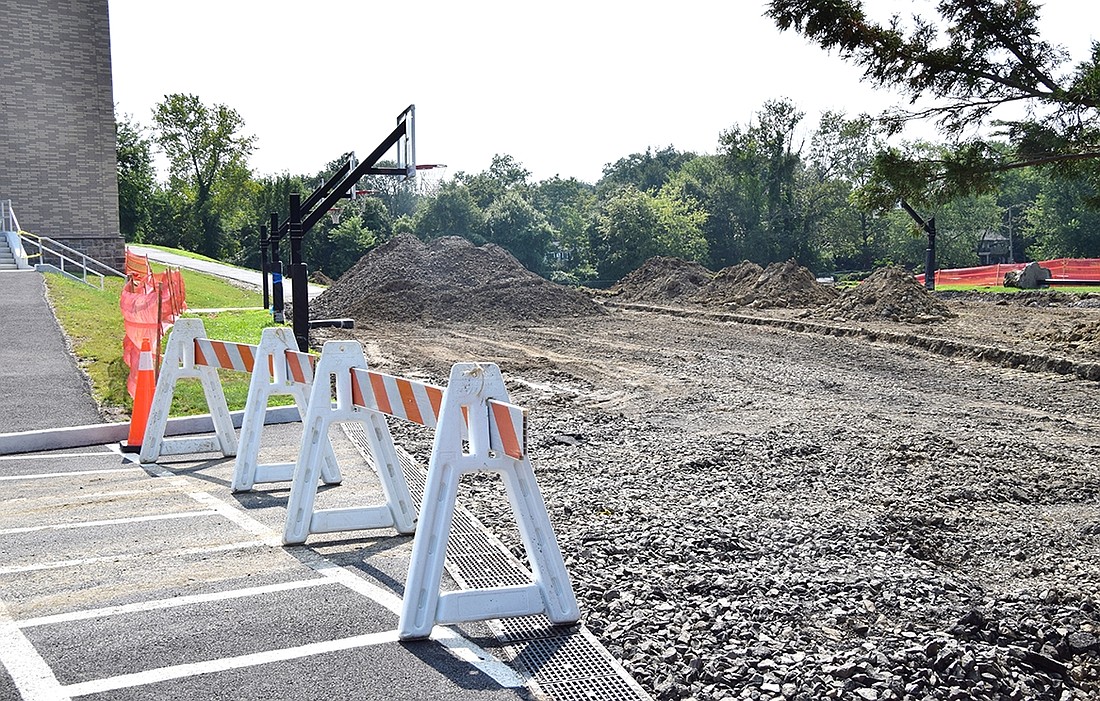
92, 320
1013, 290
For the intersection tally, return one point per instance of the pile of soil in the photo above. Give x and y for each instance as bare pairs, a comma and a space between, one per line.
448, 278
1082, 335
663, 279
730, 284
888, 293
787, 285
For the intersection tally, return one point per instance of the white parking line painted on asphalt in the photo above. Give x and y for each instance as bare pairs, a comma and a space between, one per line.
475, 655
75, 473
32, 676
51, 456
238, 517
330, 570
107, 522
460, 647
182, 552
174, 602
182, 671
457, 645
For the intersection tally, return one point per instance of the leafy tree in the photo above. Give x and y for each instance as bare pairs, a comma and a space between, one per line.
972, 58
569, 207
208, 163
512, 223
452, 212
764, 161
647, 171
505, 174
633, 226
268, 194
339, 246
708, 181
136, 179
1059, 226
838, 164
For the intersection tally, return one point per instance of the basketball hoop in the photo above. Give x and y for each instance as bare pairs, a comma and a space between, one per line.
334, 214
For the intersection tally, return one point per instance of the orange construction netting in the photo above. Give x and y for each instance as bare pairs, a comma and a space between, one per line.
994, 275
150, 302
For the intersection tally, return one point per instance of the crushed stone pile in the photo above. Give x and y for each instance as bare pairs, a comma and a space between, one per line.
890, 293
663, 279
446, 279
730, 284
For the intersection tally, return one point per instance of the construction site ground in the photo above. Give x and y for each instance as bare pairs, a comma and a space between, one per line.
747, 506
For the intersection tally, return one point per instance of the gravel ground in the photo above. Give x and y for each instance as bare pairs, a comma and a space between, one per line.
753, 512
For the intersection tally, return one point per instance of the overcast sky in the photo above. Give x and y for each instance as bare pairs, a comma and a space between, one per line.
565, 87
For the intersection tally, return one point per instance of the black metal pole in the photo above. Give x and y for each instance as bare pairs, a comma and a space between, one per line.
299, 289
929, 228
276, 273
263, 266
930, 256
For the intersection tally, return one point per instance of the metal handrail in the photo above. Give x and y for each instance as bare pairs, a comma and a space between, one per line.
85, 270
8, 221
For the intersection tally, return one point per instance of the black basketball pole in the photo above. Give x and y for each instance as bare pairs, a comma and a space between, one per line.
299, 287
929, 228
263, 266
276, 273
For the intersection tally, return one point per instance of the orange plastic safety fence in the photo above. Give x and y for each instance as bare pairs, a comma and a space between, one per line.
149, 302
993, 275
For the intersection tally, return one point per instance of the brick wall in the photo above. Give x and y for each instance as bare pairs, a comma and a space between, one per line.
57, 126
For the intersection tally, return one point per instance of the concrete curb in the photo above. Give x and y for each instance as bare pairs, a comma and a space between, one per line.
103, 434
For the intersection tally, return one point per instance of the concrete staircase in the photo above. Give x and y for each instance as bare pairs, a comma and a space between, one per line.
7, 259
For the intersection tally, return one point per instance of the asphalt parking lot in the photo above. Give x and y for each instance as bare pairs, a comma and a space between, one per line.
127, 582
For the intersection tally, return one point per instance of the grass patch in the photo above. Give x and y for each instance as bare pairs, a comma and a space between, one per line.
997, 289
92, 320
212, 292
180, 252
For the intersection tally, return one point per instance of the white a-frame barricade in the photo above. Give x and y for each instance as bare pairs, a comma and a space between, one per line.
190, 353
475, 404
335, 365
279, 369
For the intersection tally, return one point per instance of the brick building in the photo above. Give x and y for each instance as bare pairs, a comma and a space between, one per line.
57, 124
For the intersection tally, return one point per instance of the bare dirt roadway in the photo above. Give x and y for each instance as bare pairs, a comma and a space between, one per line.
753, 512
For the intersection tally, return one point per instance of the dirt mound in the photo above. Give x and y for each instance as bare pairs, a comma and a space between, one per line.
787, 285
730, 284
779, 285
446, 279
888, 293
663, 279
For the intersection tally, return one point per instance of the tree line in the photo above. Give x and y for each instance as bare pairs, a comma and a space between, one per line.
824, 193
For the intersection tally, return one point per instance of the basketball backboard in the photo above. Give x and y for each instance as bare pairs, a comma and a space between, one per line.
406, 145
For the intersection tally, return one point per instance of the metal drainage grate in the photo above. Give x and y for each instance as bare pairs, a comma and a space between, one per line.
482, 570
564, 663
510, 630
591, 689
558, 659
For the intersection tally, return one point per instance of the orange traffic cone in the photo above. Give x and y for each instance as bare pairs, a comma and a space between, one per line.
143, 400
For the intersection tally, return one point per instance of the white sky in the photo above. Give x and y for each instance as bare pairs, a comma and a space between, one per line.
565, 87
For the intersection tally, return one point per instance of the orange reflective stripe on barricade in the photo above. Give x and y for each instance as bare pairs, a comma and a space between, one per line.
223, 354
508, 428
300, 366
416, 402
420, 403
